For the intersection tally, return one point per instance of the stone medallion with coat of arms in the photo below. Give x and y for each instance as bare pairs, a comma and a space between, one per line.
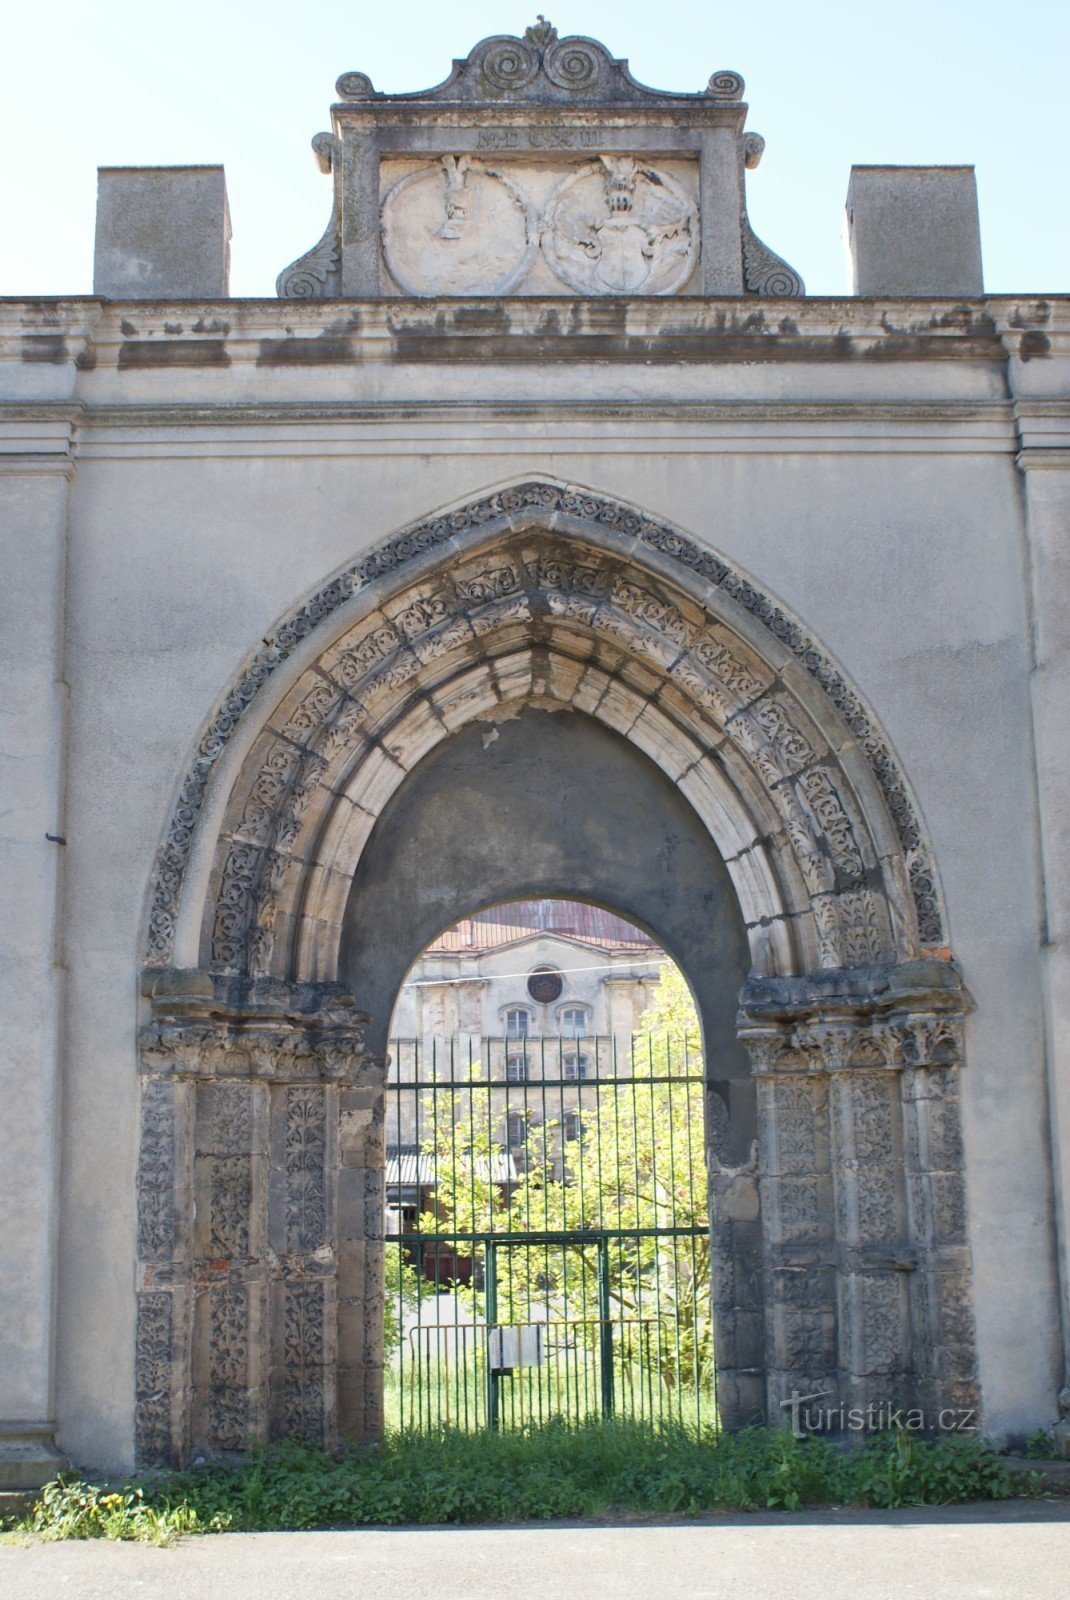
619, 226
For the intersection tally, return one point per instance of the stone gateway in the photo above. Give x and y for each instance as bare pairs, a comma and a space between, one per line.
542, 473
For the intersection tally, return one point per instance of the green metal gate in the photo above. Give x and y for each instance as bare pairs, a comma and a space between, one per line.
548, 1248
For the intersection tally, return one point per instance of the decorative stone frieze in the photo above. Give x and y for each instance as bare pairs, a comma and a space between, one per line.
240, 1266
862, 1188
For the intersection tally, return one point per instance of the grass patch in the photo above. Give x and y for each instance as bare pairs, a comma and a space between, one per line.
556, 1471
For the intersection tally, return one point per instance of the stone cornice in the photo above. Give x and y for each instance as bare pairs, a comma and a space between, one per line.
143, 336
884, 1017
204, 1027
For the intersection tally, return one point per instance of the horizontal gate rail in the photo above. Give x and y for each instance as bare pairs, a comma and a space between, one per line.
514, 1237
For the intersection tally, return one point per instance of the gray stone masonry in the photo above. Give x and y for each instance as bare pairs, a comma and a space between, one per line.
163, 233
914, 231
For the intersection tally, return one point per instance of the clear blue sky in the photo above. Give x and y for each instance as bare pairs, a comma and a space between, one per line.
143, 84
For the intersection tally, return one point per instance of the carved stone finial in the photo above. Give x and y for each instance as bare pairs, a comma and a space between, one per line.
541, 34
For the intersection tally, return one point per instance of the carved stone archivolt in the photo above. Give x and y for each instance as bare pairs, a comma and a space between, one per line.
610, 597
243, 1245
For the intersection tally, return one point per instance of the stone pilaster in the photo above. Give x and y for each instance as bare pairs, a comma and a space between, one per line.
361, 1220
238, 1326
35, 463
736, 1275
866, 1266
797, 1222
945, 1353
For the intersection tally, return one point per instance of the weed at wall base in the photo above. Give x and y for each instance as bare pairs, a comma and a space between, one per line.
553, 1472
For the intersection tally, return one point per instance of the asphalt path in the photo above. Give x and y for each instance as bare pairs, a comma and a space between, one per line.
1018, 1549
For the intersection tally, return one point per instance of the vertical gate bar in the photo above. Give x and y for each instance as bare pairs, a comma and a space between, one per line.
663, 1396
402, 1332
593, 1219
606, 1341
491, 1271
667, 1090
434, 1365
453, 1398
484, 1048
617, 1208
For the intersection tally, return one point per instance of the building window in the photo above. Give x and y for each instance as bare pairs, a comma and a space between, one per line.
574, 1067
572, 1126
516, 1130
574, 1021
516, 1069
517, 1022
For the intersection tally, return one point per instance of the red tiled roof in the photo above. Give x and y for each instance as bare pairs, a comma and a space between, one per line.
519, 919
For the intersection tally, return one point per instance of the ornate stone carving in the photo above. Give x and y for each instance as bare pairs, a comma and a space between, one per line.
230, 1198
458, 227
303, 1352
566, 95
888, 1135
315, 275
156, 1172
882, 1325
726, 85
766, 273
154, 1376
261, 1029
620, 226
306, 1174
502, 509
228, 1367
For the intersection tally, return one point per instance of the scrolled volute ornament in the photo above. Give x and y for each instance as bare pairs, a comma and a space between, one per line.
312, 276
507, 65
574, 65
355, 86
728, 86
766, 273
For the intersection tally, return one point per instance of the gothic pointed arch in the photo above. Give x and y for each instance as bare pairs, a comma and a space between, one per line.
840, 1239
705, 664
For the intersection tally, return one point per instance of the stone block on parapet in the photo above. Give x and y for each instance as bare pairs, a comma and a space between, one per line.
914, 231
163, 233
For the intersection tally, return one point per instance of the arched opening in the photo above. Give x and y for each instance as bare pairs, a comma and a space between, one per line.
548, 1241
550, 804
542, 693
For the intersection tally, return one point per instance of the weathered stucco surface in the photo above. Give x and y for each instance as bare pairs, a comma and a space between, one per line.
880, 499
